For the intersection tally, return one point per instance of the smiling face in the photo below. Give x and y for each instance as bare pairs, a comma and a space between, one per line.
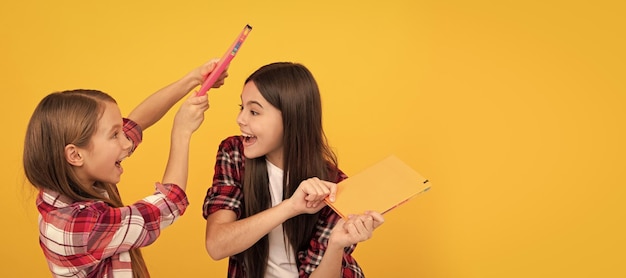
107, 148
261, 124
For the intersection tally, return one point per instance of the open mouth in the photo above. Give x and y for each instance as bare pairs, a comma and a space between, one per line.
248, 139
118, 163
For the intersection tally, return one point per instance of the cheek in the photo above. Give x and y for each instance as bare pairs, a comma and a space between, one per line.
277, 125
277, 134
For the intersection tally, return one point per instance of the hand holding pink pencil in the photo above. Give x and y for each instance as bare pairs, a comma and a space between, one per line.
224, 61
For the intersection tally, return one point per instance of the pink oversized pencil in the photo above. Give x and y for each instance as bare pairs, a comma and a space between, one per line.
224, 61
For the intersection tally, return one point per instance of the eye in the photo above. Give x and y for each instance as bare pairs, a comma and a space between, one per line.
252, 112
115, 134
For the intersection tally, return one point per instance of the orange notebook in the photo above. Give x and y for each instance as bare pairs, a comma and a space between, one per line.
381, 188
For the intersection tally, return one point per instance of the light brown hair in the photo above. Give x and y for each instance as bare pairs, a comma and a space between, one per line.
62, 118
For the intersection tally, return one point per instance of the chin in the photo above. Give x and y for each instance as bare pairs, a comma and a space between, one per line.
115, 181
250, 155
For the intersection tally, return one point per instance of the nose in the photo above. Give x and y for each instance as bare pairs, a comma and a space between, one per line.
240, 119
127, 144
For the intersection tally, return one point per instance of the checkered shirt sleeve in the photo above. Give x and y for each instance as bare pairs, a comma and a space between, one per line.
92, 239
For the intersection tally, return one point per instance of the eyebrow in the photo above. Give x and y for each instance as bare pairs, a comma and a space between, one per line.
115, 127
254, 102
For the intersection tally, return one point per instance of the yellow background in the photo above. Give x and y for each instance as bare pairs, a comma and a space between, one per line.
513, 109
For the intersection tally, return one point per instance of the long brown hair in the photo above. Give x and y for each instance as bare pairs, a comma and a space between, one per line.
291, 88
62, 118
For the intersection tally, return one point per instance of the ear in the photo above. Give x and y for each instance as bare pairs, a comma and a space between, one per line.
72, 155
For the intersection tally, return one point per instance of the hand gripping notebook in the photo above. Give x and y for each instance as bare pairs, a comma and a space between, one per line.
381, 188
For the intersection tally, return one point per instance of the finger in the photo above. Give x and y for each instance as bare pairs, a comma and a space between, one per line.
326, 187
197, 100
368, 222
201, 99
319, 203
359, 222
322, 192
204, 106
211, 64
352, 229
312, 190
376, 217
364, 228
224, 74
208, 67
218, 84
333, 190
221, 79
321, 187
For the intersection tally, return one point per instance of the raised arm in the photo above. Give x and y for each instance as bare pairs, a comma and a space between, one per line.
186, 122
155, 106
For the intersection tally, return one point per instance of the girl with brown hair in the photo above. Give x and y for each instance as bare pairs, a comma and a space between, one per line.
265, 209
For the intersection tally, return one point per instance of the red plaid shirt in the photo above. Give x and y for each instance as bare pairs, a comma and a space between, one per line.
226, 193
92, 239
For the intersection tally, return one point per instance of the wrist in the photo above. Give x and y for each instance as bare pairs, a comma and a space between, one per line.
180, 135
191, 80
289, 207
333, 244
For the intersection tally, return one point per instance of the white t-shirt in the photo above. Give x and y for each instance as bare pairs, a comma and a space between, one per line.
281, 262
